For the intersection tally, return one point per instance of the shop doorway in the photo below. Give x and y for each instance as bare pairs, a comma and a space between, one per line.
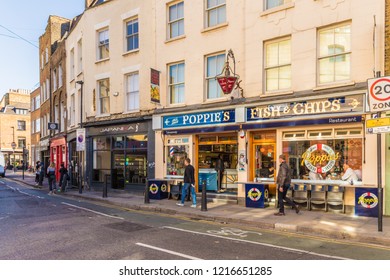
211, 148
262, 157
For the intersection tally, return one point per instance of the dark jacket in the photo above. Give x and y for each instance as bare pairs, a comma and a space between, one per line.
189, 174
219, 166
284, 175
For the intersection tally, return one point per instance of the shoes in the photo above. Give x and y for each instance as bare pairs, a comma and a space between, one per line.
193, 205
279, 214
297, 209
179, 204
51, 192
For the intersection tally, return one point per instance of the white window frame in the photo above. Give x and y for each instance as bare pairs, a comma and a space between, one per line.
281, 3
80, 56
132, 92
278, 66
103, 44
221, 4
345, 54
72, 109
174, 84
177, 21
99, 87
208, 79
60, 76
132, 35
71, 66
37, 125
54, 80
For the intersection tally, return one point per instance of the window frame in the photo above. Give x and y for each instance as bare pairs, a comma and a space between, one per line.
21, 125
344, 54
284, 3
216, 7
132, 35
105, 44
176, 20
208, 78
99, 82
278, 66
175, 84
129, 95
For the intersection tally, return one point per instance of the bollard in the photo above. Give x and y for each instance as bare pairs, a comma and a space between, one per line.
105, 186
204, 197
147, 200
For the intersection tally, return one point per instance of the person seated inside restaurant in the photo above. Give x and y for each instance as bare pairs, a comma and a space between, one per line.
314, 175
267, 172
358, 173
349, 175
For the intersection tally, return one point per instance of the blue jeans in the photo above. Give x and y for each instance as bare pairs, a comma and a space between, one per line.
184, 193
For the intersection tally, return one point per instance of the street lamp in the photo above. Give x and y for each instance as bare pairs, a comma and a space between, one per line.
80, 175
226, 80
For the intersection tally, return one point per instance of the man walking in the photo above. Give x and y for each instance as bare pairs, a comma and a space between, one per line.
220, 168
283, 182
189, 182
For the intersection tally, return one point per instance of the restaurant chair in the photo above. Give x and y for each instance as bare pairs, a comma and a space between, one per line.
335, 197
317, 197
301, 195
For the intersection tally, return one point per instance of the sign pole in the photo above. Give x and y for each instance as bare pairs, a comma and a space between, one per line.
380, 189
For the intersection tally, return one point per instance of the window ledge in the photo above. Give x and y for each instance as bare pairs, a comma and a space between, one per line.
278, 9
276, 93
131, 52
131, 111
215, 100
175, 39
103, 115
330, 86
176, 105
208, 29
102, 60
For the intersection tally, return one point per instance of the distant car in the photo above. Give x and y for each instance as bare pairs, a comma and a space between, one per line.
2, 171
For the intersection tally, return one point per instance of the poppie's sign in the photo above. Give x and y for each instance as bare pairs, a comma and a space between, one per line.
320, 158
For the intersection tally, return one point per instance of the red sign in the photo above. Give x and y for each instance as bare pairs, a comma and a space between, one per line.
227, 83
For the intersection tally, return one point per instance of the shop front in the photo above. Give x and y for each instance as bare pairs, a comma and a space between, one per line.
321, 138
209, 139
58, 153
120, 154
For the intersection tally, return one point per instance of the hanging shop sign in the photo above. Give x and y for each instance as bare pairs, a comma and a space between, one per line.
155, 86
80, 139
202, 118
320, 158
366, 202
379, 94
346, 104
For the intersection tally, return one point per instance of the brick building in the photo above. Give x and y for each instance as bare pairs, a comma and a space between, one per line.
15, 125
48, 42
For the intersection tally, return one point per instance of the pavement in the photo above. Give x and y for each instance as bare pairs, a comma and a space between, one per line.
313, 223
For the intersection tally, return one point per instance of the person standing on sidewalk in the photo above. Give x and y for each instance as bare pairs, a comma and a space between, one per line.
41, 174
220, 168
63, 177
37, 172
51, 173
283, 182
189, 182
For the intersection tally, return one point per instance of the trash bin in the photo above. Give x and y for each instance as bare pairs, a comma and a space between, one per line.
254, 194
158, 189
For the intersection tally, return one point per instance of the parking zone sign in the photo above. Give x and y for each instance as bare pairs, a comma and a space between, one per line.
379, 94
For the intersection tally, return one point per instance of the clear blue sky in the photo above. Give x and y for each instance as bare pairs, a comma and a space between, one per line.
19, 60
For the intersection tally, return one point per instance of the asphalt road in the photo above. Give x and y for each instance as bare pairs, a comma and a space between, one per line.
38, 226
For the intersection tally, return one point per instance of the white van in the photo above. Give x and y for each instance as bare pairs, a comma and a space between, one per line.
2, 165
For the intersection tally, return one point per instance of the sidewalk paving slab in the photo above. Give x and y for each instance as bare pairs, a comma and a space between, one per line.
317, 223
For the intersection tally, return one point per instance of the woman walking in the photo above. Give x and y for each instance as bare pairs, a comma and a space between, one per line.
51, 174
